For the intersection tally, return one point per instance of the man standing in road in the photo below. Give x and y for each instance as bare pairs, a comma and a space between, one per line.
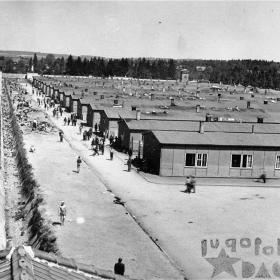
62, 212
61, 135
111, 153
102, 148
129, 161
79, 161
119, 267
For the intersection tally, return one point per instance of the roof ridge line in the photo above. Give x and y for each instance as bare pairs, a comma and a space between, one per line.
22, 267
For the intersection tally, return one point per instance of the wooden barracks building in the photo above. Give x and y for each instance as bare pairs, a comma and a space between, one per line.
214, 154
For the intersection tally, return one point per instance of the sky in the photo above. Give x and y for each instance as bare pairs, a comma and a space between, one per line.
183, 29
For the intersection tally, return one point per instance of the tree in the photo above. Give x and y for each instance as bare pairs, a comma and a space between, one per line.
50, 58
9, 66
171, 69
78, 67
62, 65
35, 62
30, 64
70, 65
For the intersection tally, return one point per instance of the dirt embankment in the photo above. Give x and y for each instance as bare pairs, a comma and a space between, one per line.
25, 219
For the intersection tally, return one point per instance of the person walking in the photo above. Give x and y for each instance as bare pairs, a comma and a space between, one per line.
62, 212
81, 128
111, 153
129, 162
93, 143
34, 124
85, 135
188, 184
192, 182
95, 150
102, 148
61, 135
68, 121
111, 139
119, 267
130, 152
79, 161
65, 121
263, 177
88, 135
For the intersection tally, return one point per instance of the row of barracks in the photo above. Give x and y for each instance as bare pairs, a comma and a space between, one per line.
88, 108
94, 109
180, 147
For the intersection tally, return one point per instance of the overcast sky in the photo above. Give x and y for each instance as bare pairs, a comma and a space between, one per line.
209, 30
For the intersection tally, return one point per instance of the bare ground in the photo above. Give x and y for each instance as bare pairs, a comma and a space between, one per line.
14, 227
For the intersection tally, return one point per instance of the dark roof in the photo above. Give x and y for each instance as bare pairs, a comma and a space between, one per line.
163, 125
218, 139
27, 263
266, 128
184, 125
128, 114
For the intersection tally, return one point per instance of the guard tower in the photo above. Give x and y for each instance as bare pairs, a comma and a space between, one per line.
185, 76
182, 74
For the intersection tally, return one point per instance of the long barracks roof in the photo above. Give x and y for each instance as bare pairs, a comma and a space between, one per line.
27, 263
193, 126
218, 139
127, 114
162, 125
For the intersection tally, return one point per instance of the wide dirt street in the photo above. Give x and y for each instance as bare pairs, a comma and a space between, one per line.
211, 233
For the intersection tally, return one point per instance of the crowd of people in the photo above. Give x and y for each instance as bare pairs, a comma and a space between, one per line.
72, 119
190, 184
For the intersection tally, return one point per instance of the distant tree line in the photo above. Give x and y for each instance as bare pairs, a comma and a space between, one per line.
257, 73
96, 66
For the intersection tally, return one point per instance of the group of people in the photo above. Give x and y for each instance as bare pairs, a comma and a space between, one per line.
46, 101
72, 119
21, 102
190, 184
57, 110
87, 134
98, 145
112, 139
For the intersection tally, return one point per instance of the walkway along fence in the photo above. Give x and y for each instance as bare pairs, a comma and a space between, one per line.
3, 239
40, 234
